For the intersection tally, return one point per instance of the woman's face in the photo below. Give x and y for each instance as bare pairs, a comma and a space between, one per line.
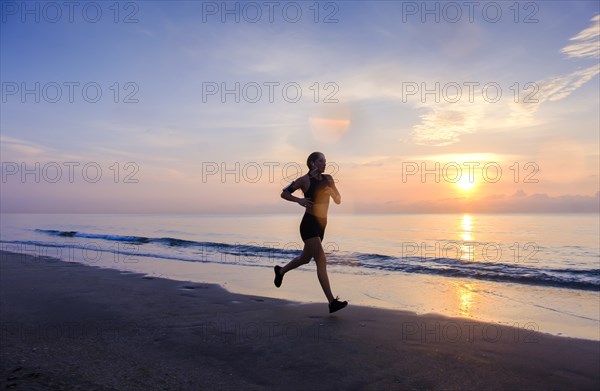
320, 163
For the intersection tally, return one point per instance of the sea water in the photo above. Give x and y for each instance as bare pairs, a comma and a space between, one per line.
541, 269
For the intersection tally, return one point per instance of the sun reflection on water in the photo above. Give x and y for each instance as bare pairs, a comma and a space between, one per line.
466, 297
466, 228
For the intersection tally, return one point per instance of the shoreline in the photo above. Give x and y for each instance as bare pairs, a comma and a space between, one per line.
560, 312
65, 325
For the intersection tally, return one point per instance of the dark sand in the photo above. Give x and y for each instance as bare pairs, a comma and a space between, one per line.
74, 327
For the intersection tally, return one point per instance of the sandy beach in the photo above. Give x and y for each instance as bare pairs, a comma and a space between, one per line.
69, 326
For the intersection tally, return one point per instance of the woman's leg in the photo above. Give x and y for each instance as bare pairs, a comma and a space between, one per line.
300, 260
316, 249
313, 248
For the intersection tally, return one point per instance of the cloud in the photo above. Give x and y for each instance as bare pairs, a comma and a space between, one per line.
14, 147
519, 202
446, 123
550, 89
556, 88
445, 126
587, 42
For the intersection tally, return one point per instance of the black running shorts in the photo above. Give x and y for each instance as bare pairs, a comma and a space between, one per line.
312, 226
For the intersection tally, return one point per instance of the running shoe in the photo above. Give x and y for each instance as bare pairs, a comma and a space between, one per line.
278, 277
337, 305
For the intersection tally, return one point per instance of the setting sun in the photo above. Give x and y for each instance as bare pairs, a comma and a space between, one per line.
465, 183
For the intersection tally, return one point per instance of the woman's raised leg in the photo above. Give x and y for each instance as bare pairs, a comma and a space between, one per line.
300, 260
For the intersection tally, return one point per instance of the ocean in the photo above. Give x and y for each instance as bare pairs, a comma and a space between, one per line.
553, 257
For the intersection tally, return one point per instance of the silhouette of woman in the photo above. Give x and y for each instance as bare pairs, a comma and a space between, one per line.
318, 188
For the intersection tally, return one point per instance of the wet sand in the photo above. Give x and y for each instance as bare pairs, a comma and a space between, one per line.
70, 326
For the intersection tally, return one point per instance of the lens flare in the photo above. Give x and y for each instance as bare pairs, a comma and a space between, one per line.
328, 129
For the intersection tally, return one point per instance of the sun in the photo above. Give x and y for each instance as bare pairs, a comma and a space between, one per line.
465, 183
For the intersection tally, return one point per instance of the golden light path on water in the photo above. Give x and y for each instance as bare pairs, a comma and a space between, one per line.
464, 291
466, 298
466, 236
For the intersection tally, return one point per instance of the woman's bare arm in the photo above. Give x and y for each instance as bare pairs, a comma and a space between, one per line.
334, 193
300, 184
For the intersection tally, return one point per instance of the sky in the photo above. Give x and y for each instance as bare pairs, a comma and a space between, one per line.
213, 107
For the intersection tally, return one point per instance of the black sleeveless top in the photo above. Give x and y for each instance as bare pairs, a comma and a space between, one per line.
315, 191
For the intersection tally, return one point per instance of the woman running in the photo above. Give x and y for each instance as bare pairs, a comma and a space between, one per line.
317, 188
